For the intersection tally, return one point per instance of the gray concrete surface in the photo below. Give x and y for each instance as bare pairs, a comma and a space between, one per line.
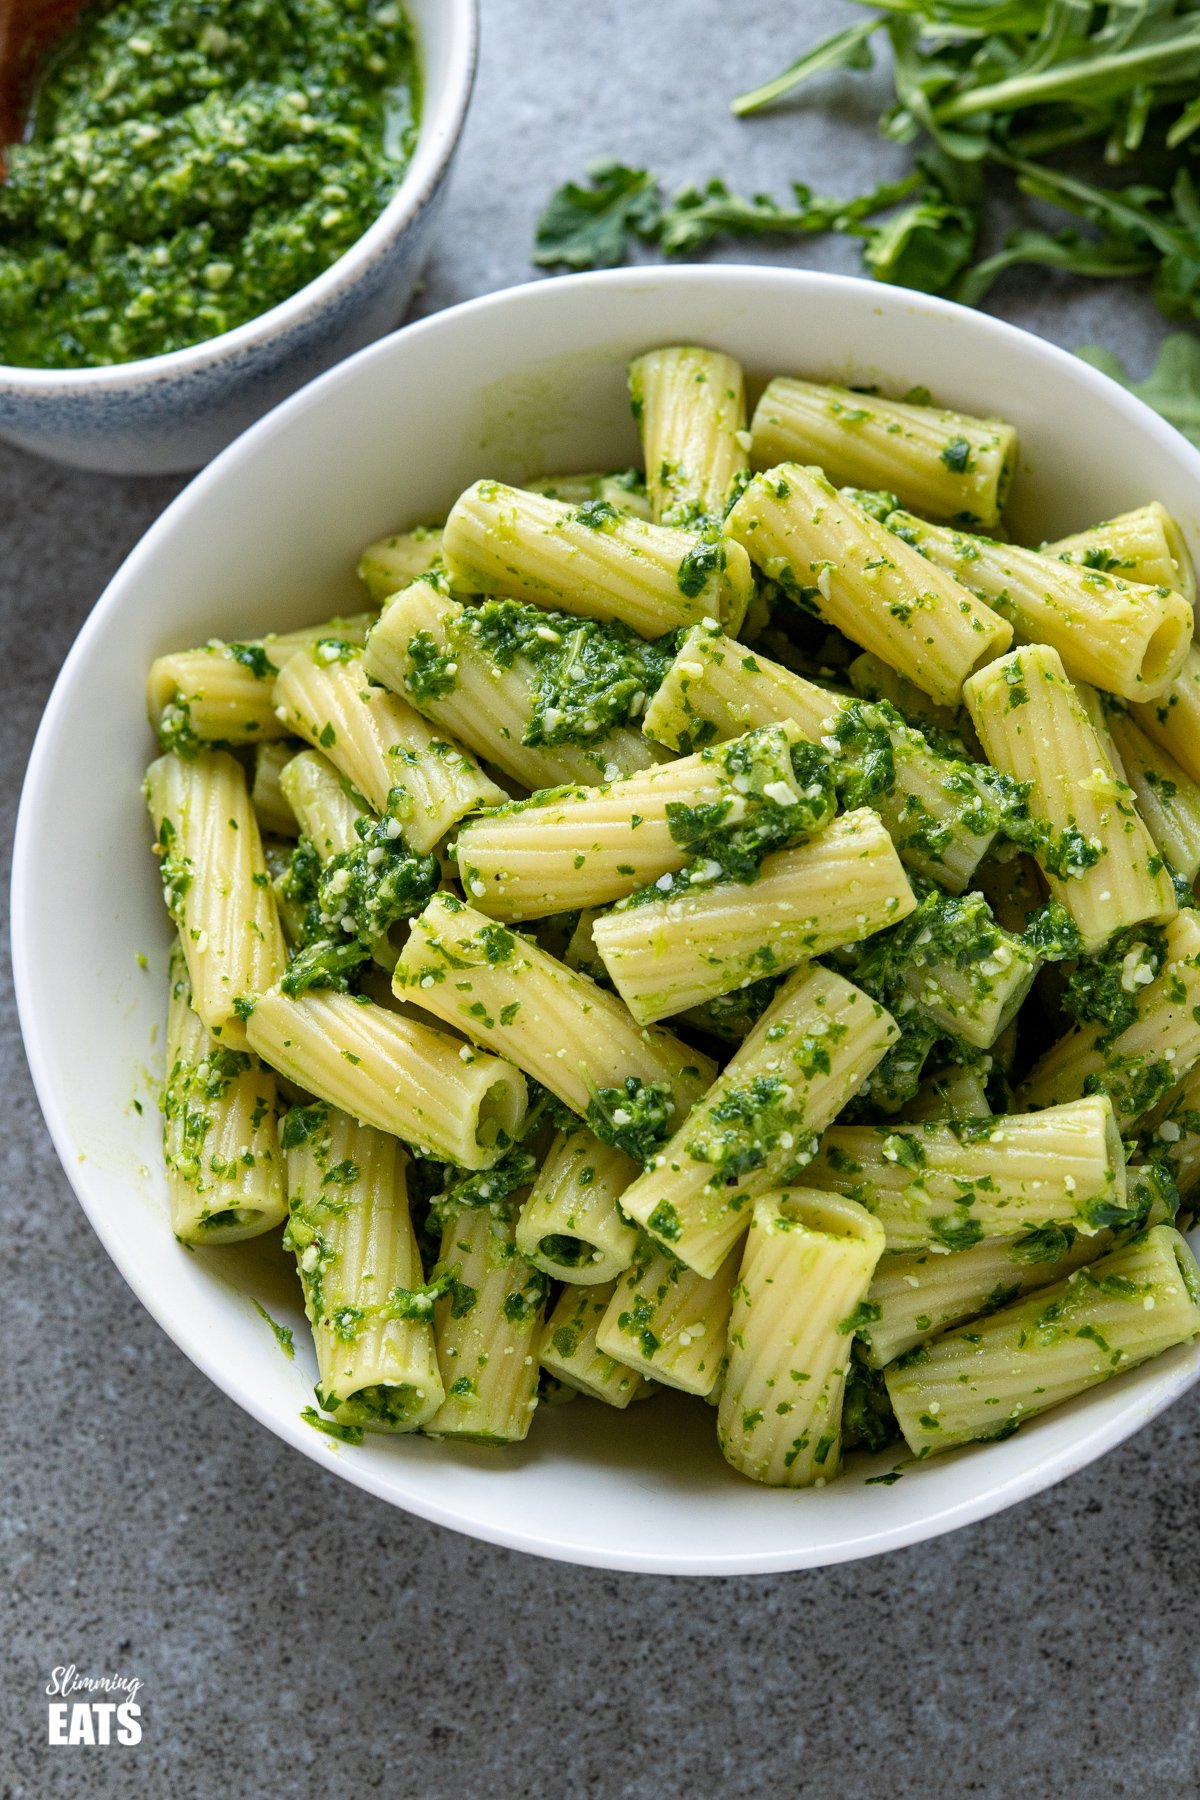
295, 1637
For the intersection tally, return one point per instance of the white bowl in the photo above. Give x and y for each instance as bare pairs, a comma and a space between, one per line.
172, 412
528, 380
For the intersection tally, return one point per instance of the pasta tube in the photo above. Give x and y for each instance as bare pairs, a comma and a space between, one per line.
1167, 797
694, 942
945, 464
571, 1226
215, 885
833, 559
390, 563
1133, 1304
1143, 545
805, 1271
324, 809
488, 1330
220, 1144
223, 694
957, 1183
669, 1323
508, 681
388, 752
1142, 1063
934, 807
1124, 637
443, 1097
580, 847
271, 806
1173, 720
624, 489
593, 560
1098, 858
756, 1127
953, 1093
371, 1317
916, 1295
569, 1349
505, 992
690, 405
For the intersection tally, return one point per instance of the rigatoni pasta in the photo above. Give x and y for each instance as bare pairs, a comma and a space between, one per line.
946, 465
384, 748
593, 560
577, 847
935, 807
1144, 544
763, 1100
1125, 637
545, 697
678, 944
833, 559
690, 405
215, 884
504, 992
349, 1226
436, 1093
1139, 1064
959, 1182
488, 1329
1099, 860
805, 1271
667, 1322
571, 1225
222, 694
757, 1126
570, 1353
1132, 1304
220, 1143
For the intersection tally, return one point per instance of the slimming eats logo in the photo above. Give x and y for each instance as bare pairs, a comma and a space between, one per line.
114, 1718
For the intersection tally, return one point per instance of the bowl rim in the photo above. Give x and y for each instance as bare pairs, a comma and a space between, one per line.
443, 115
1114, 1423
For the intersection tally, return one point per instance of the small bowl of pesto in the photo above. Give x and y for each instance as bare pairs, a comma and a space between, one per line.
211, 204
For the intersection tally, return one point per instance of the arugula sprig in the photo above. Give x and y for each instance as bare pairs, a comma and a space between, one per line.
989, 93
597, 226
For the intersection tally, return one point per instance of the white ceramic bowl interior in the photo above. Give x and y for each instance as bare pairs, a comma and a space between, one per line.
177, 411
529, 380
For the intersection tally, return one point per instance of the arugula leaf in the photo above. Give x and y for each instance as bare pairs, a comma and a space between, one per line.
926, 245
698, 215
591, 227
988, 92
1173, 386
597, 227
847, 49
1092, 257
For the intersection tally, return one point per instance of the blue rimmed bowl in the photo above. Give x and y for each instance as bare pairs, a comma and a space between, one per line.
172, 412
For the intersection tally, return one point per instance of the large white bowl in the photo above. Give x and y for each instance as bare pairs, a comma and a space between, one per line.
528, 380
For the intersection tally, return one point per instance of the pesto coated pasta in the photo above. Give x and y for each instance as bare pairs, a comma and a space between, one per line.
724, 925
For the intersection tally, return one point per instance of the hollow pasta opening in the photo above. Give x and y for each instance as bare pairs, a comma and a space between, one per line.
1166, 648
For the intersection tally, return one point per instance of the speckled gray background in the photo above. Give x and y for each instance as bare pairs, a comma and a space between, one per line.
295, 1636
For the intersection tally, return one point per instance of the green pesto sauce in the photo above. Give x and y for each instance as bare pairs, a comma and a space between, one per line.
1104, 989
588, 678
192, 163
345, 905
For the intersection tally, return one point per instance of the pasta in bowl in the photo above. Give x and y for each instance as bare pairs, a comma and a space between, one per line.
719, 927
